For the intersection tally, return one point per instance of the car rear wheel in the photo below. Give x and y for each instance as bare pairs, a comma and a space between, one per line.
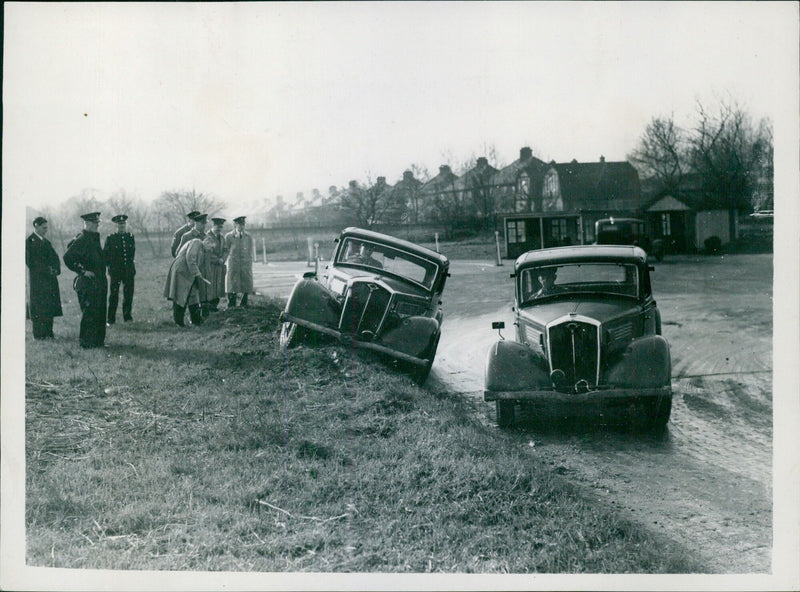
290, 335
505, 413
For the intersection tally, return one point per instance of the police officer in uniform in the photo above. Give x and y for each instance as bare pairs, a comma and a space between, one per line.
84, 256
119, 251
176, 237
44, 267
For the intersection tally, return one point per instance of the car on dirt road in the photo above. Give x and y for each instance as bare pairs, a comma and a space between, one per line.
379, 293
588, 338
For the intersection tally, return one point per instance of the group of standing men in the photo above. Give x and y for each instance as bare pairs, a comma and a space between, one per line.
208, 266
89, 261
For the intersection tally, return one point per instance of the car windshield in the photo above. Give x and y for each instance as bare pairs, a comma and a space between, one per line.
536, 283
384, 258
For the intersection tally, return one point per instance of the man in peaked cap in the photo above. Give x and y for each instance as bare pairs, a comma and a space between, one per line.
239, 274
44, 267
198, 230
85, 257
176, 237
120, 251
214, 272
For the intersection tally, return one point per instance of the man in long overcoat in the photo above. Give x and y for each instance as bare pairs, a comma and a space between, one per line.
44, 267
120, 250
239, 275
85, 257
214, 271
176, 236
183, 282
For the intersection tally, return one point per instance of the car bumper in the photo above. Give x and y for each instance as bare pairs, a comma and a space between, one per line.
351, 341
602, 401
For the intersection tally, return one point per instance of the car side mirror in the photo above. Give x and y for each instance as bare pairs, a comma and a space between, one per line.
310, 274
499, 325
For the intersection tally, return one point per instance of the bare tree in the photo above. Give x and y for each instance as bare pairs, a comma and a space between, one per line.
171, 207
730, 153
661, 153
368, 204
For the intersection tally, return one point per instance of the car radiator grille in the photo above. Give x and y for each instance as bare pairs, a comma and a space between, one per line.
364, 309
573, 350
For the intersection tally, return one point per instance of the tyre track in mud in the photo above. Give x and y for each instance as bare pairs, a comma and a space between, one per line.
707, 480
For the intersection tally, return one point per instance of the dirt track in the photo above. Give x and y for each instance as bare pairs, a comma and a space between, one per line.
707, 481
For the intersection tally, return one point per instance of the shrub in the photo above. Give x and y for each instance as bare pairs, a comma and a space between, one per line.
713, 244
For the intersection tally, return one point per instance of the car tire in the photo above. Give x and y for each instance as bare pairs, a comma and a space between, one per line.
505, 413
420, 373
290, 335
662, 411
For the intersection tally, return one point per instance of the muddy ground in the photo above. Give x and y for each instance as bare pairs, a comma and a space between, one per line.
706, 481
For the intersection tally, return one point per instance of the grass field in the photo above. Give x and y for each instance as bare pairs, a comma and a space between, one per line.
207, 448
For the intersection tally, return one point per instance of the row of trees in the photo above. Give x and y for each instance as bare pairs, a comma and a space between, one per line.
726, 154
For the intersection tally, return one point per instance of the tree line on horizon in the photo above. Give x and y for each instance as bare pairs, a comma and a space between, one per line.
723, 152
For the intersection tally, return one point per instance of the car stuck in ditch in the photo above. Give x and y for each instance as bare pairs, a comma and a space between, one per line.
588, 338
378, 293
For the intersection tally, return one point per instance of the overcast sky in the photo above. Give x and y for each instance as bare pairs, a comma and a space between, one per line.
248, 101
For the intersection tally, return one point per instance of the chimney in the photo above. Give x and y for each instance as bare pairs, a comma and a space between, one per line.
482, 163
602, 158
381, 181
574, 161
525, 153
444, 169
408, 176
353, 184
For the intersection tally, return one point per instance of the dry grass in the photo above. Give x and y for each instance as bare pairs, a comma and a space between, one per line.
208, 449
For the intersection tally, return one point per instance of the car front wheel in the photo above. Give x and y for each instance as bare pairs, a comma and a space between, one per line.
420, 373
505, 413
290, 335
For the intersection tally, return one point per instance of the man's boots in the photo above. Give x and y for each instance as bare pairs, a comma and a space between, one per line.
177, 314
195, 314
244, 300
231, 300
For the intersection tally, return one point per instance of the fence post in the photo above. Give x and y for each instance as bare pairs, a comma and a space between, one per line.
316, 259
310, 251
264, 248
436, 238
497, 242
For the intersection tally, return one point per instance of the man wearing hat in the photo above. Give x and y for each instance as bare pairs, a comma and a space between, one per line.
239, 274
183, 282
216, 252
44, 267
119, 251
198, 230
85, 257
176, 237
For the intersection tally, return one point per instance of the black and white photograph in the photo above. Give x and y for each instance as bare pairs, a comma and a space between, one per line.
400, 296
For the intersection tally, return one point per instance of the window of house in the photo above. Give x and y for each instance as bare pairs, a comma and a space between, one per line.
666, 229
516, 231
558, 228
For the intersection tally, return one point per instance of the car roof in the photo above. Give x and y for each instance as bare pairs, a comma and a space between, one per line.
581, 253
398, 242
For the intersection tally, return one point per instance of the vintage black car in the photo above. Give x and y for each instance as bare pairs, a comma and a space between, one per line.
377, 292
588, 338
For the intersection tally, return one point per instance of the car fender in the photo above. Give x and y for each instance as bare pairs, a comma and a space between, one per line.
513, 366
313, 302
412, 336
646, 363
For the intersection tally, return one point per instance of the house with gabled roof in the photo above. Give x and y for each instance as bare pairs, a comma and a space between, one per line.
407, 191
566, 199
476, 189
